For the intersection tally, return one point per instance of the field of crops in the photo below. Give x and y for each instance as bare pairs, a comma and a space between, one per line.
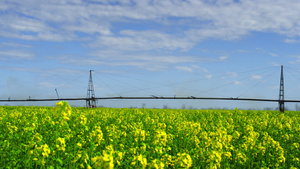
65, 137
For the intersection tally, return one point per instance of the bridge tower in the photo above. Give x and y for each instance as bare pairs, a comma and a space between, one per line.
90, 97
281, 92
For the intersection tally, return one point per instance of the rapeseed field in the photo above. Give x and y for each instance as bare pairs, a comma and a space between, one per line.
65, 137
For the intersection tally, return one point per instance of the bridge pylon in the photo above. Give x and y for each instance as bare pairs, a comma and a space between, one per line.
90, 97
281, 92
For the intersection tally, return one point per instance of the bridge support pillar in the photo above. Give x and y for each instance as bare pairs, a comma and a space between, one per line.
90, 97
281, 92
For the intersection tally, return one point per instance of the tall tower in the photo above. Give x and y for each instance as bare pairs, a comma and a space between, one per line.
90, 97
281, 92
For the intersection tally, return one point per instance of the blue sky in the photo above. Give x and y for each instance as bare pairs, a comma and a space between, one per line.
209, 48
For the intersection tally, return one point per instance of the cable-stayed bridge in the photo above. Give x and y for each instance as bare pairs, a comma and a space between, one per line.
91, 99
152, 97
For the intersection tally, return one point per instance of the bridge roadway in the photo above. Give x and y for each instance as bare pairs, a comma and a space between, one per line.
150, 97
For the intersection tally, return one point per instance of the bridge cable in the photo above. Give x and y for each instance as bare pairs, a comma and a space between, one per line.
61, 86
174, 84
130, 85
229, 83
257, 83
103, 81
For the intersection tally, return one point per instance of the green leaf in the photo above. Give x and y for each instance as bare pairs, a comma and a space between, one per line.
50, 167
60, 161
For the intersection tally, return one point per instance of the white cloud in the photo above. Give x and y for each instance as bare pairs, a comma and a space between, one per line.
88, 27
195, 69
242, 51
192, 68
149, 61
208, 76
15, 51
237, 82
61, 72
230, 75
291, 41
275, 64
256, 77
173, 26
201, 68
13, 44
297, 59
129, 40
13, 26
20, 69
222, 58
267, 52
4, 55
230, 20
184, 68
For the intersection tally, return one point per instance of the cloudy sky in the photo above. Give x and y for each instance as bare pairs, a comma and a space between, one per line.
210, 48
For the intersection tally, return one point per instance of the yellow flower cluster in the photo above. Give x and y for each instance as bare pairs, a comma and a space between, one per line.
43, 150
65, 137
106, 160
139, 159
61, 144
184, 160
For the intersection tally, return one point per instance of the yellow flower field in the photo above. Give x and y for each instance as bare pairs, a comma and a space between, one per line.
65, 137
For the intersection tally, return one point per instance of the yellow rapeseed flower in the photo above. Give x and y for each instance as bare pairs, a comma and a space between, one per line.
157, 164
61, 144
60, 103
142, 160
46, 150
184, 160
